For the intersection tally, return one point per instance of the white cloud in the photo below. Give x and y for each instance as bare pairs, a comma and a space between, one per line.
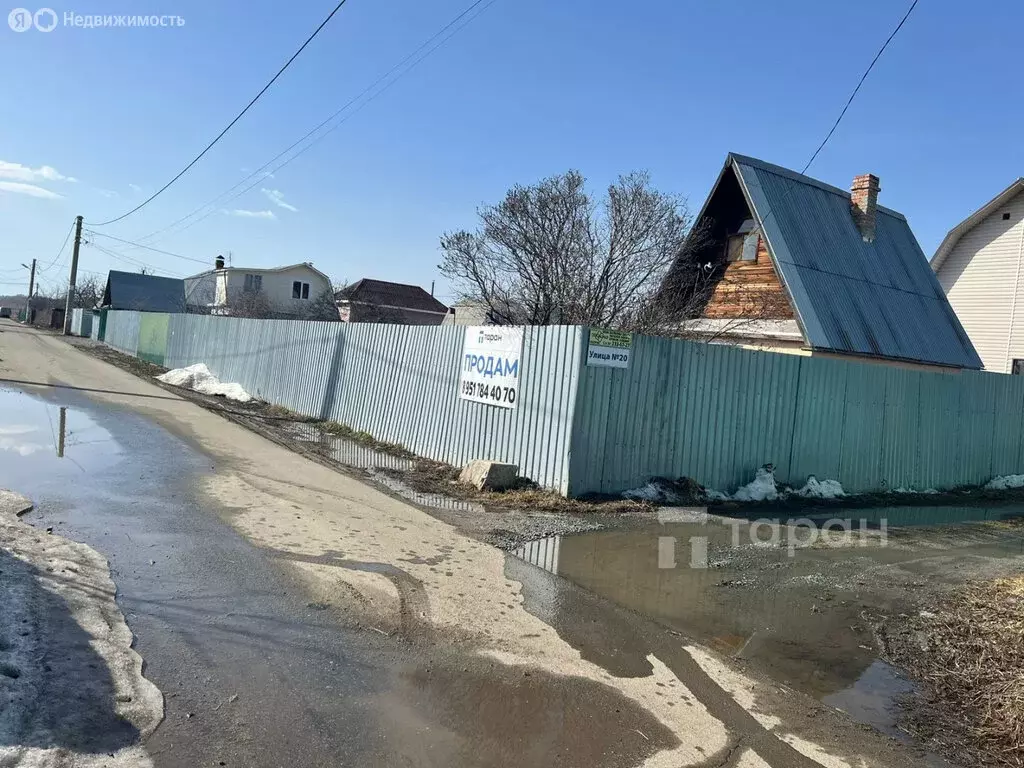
276, 196
19, 172
250, 214
18, 188
134, 187
106, 193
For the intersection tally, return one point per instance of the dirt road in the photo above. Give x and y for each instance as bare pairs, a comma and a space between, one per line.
294, 616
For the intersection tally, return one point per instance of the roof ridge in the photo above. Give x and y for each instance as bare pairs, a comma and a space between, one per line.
803, 178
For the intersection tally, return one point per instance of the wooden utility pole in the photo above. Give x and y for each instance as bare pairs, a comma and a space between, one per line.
73, 277
31, 287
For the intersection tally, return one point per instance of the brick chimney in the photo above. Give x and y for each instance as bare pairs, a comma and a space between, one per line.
218, 263
864, 204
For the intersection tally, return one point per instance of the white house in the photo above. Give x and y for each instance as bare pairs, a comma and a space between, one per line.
979, 267
283, 291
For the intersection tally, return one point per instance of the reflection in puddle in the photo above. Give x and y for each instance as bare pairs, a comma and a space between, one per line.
346, 452
433, 500
40, 437
873, 698
353, 454
806, 621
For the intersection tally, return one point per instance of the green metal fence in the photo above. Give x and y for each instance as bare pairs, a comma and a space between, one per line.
716, 413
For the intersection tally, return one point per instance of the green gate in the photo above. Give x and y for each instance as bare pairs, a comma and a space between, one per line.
153, 336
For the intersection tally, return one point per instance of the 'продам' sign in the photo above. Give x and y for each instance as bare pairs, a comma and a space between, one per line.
490, 365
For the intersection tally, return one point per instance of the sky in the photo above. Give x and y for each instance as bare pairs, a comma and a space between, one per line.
94, 120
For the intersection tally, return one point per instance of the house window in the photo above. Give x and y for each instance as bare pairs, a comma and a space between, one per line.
1006, 217
253, 283
1018, 367
300, 290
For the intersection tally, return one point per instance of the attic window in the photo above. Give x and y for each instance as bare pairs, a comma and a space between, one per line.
1006, 217
743, 245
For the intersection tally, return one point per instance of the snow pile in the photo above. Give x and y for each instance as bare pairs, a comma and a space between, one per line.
926, 491
199, 379
72, 693
762, 488
821, 489
660, 490
1005, 483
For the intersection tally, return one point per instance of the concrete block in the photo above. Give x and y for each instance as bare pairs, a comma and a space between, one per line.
489, 475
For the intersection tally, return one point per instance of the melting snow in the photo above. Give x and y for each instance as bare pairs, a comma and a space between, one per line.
762, 488
823, 489
198, 378
1005, 482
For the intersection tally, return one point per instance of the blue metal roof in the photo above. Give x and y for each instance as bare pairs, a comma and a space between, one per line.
879, 299
146, 293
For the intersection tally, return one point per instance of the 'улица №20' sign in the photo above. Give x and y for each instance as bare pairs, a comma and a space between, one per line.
610, 349
491, 365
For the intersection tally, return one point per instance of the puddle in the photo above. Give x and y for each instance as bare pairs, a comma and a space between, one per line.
901, 516
41, 439
805, 620
353, 454
873, 699
347, 452
432, 500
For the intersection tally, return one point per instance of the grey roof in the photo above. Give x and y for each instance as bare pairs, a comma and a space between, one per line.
384, 293
146, 293
879, 299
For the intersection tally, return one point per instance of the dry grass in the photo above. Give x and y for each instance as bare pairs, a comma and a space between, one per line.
435, 477
969, 655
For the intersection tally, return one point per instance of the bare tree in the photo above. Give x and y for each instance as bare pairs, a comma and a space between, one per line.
323, 307
251, 304
549, 253
88, 292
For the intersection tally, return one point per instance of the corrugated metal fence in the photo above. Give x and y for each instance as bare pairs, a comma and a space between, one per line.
397, 382
711, 412
716, 413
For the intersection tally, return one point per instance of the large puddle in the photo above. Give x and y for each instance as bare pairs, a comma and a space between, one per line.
45, 441
805, 616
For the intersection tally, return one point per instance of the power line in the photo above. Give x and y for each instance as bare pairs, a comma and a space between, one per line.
229, 126
148, 248
785, 196
259, 171
130, 261
863, 77
65, 245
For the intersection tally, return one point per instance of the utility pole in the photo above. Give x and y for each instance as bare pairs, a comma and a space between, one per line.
31, 287
70, 304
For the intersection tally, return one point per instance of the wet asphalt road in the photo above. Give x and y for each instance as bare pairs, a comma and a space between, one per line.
251, 675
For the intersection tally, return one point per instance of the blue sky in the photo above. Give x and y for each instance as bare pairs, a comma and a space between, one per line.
528, 89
